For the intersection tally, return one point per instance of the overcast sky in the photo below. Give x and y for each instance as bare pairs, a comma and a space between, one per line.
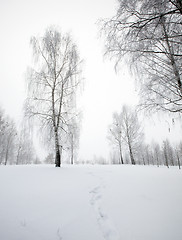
104, 91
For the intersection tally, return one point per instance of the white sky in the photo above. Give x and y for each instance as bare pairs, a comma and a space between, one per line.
104, 92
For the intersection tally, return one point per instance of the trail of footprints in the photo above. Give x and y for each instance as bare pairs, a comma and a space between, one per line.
106, 226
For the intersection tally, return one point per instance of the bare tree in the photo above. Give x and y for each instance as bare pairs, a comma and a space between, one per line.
25, 151
178, 151
170, 158
53, 83
73, 139
179, 154
126, 129
114, 135
165, 152
141, 154
157, 153
131, 130
147, 154
148, 34
8, 136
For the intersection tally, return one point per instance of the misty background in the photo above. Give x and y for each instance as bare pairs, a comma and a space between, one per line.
104, 90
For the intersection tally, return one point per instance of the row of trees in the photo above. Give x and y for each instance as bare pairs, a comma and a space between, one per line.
127, 137
152, 154
52, 82
15, 146
147, 35
126, 130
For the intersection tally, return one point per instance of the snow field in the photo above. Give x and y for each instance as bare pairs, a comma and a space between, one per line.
90, 203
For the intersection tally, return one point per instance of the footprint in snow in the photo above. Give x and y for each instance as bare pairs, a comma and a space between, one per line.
106, 226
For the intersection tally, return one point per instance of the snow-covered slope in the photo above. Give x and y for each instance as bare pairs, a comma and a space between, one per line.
90, 203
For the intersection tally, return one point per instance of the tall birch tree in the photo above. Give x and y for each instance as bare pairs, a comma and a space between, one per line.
53, 83
126, 131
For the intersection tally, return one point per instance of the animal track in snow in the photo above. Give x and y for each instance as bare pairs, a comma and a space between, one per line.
105, 224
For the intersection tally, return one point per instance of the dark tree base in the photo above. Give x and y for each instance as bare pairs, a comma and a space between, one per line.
58, 159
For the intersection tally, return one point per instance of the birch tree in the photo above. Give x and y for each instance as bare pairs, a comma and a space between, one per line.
73, 139
8, 136
131, 130
53, 83
157, 153
114, 135
148, 34
9, 141
126, 130
25, 151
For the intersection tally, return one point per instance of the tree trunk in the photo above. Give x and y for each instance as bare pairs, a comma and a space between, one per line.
152, 160
72, 151
166, 160
148, 158
58, 156
179, 165
157, 161
18, 154
131, 155
121, 157
143, 160
6, 156
7, 151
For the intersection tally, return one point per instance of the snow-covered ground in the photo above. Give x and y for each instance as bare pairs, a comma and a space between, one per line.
90, 203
